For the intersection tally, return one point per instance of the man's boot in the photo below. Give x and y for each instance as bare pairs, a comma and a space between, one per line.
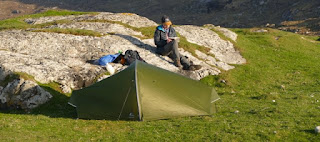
177, 63
194, 67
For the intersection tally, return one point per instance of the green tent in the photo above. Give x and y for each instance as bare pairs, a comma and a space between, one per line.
144, 92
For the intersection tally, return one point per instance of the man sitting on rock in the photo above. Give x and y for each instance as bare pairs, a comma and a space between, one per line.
166, 39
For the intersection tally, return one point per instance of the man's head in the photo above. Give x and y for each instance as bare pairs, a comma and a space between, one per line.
166, 22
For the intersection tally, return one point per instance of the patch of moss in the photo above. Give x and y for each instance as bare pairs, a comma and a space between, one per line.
147, 32
100, 75
81, 32
25, 76
191, 47
17, 75
51, 23
52, 85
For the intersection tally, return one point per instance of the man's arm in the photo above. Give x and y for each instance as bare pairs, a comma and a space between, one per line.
157, 39
174, 34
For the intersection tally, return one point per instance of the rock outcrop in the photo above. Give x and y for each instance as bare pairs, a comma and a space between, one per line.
223, 50
126, 18
22, 94
63, 58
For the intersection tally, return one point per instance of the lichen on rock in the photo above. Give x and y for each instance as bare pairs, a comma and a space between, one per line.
23, 94
223, 50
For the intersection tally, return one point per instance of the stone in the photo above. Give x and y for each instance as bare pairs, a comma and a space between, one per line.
3, 73
270, 25
230, 34
1, 88
23, 94
223, 50
65, 89
16, 12
226, 32
317, 130
212, 61
261, 31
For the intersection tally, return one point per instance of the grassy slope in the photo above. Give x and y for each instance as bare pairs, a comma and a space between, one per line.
290, 62
18, 23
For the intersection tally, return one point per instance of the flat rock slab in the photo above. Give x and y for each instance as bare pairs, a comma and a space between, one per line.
62, 58
105, 28
126, 18
223, 50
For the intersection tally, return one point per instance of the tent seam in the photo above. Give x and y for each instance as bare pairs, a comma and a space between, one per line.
124, 103
137, 92
215, 100
72, 104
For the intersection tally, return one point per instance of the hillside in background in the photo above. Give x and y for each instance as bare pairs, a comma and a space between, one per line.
227, 13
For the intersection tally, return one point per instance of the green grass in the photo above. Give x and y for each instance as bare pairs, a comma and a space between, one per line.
285, 70
18, 23
81, 32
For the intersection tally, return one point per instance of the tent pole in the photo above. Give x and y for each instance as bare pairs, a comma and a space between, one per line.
138, 98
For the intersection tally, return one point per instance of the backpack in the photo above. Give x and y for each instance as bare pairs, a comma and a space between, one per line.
130, 56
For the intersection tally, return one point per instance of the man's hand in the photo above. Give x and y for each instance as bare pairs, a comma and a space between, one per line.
169, 40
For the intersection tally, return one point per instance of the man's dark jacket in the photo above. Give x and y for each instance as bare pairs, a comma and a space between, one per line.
160, 38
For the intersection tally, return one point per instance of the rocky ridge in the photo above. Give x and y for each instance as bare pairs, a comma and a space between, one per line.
63, 58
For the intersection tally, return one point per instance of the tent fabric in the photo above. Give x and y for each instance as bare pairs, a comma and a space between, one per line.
144, 92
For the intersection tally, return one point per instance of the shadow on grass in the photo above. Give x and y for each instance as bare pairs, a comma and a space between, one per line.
57, 107
309, 131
